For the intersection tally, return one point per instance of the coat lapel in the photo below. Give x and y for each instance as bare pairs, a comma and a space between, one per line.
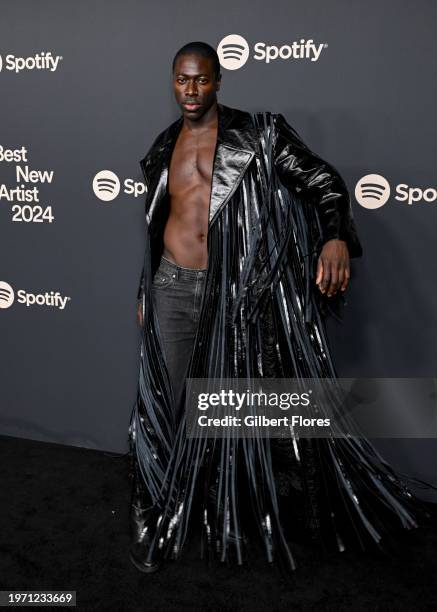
235, 148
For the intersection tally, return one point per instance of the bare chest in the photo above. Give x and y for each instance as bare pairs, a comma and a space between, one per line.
191, 163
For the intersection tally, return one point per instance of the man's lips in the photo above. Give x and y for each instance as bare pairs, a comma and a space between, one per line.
191, 106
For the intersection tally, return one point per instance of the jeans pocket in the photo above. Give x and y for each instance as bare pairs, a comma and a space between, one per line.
162, 279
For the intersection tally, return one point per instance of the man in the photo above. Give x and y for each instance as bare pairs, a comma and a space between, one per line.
248, 235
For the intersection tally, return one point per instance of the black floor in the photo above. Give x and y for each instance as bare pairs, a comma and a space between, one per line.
64, 525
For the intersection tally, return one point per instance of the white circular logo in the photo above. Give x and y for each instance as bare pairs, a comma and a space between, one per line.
106, 185
233, 52
6, 295
372, 191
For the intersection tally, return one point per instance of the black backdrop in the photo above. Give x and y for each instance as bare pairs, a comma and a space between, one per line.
85, 88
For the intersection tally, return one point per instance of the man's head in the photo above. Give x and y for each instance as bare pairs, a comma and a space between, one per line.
196, 78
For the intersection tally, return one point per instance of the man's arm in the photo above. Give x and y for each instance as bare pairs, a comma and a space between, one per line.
298, 166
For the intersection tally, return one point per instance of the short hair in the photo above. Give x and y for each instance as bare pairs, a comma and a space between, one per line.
203, 49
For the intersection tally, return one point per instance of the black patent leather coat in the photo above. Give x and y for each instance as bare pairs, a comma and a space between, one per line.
273, 205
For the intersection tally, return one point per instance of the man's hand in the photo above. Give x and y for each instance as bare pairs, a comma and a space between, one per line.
333, 271
140, 313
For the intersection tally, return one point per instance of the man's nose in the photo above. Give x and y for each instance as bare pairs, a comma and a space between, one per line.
191, 89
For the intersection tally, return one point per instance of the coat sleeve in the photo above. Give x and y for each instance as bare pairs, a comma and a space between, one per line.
146, 180
146, 163
141, 286
297, 165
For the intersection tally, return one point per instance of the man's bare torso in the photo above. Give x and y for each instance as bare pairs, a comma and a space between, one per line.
190, 177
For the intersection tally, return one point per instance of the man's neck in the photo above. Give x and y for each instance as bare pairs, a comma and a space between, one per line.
208, 121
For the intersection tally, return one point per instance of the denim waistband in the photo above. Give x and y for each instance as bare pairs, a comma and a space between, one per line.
180, 272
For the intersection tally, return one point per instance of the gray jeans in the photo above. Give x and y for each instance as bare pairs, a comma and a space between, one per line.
177, 296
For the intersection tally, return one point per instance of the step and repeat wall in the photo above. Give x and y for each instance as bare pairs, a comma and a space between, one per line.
86, 87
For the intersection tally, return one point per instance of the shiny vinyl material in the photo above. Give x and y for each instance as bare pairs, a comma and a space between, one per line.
273, 205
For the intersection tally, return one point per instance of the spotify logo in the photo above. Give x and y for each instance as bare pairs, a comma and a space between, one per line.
372, 191
106, 185
233, 52
40, 61
6, 295
49, 298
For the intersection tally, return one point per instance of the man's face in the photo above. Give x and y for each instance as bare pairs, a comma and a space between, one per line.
194, 82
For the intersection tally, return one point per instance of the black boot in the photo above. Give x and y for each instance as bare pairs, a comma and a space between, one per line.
143, 516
